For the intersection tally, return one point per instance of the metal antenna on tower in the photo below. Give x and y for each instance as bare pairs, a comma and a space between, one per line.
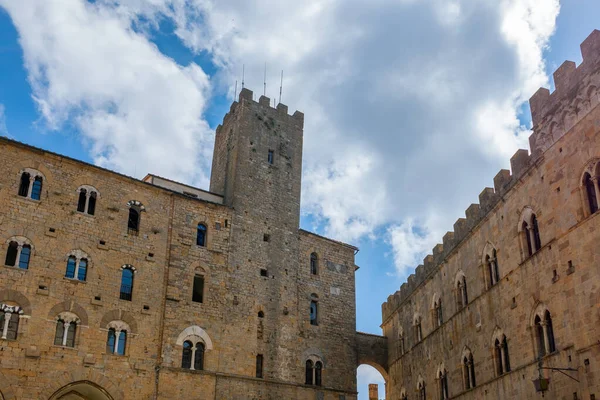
235, 90
281, 86
265, 81
243, 72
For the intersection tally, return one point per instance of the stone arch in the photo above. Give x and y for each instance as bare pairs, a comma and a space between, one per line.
119, 315
435, 299
440, 370
525, 216
488, 250
592, 167
372, 350
539, 310
314, 354
195, 330
497, 334
459, 277
16, 297
69, 306
63, 382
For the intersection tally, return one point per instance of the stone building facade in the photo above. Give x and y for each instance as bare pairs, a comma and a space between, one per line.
118, 288
516, 286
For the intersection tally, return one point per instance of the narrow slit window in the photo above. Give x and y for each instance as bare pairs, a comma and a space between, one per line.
133, 222
82, 200
126, 284
198, 290
259, 365
201, 235
270, 157
11, 254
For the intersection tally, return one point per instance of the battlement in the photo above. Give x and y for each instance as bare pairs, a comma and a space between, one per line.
576, 93
264, 102
553, 115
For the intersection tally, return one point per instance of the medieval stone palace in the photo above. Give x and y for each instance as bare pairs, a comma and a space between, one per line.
116, 288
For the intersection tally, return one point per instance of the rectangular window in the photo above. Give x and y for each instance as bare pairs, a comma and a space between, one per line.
259, 365
270, 157
197, 295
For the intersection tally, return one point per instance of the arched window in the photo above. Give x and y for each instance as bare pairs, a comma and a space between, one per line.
195, 342
318, 370
82, 200
421, 388
491, 265
24, 184
36, 188
313, 371
186, 357
201, 235
530, 232
462, 298
65, 333
199, 356
18, 254
30, 184
126, 282
9, 321
443, 382
133, 222
24, 256
468, 370
314, 264
11, 254
314, 310
116, 341
438, 318
309, 372
590, 189
505, 355
87, 200
77, 266
417, 329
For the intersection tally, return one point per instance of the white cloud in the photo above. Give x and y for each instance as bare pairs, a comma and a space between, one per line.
137, 109
411, 106
3, 129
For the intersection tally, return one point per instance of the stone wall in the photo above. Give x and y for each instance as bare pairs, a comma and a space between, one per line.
562, 276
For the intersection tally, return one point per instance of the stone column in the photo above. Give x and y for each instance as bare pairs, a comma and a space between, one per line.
31, 179
546, 342
19, 248
65, 333
7, 316
116, 346
193, 357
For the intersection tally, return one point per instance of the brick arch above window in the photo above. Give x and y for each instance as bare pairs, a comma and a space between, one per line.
71, 307
119, 315
498, 334
195, 334
136, 204
9, 295
21, 241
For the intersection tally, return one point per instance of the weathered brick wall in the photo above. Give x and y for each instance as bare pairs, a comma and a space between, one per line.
550, 182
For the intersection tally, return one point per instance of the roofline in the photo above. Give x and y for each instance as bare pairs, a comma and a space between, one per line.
182, 184
331, 240
76, 161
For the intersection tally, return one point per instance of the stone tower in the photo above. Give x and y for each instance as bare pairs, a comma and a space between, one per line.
257, 167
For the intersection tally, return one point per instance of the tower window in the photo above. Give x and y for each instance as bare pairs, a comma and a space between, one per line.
314, 310
197, 295
259, 365
126, 284
201, 235
270, 157
314, 264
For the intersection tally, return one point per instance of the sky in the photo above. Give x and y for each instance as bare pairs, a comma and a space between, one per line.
411, 106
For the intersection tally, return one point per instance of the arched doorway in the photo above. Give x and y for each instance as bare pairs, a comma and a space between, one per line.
368, 374
82, 390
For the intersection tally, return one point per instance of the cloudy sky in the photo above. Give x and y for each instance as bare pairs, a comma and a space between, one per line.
411, 106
